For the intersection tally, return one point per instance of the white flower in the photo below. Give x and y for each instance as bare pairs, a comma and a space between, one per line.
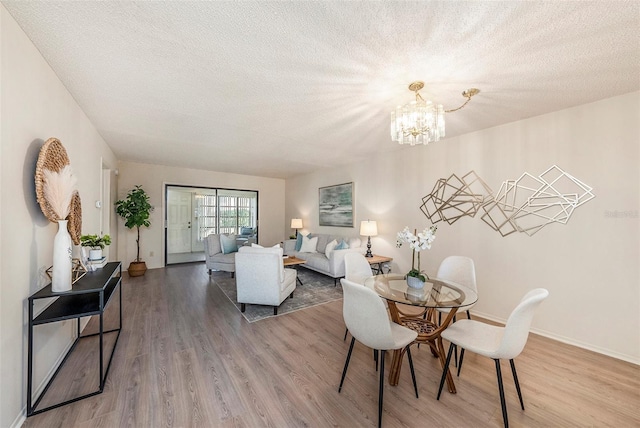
420, 242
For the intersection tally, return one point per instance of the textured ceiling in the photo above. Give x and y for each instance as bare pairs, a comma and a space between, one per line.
278, 89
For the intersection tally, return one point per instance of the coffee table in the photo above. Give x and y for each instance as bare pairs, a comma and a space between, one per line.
293, 261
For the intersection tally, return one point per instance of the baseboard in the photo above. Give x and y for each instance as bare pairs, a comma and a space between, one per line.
569, 341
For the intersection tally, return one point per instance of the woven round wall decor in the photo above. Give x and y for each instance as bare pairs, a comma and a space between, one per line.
74, 225
53, 156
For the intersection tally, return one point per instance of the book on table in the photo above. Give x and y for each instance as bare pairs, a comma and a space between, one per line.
100, 263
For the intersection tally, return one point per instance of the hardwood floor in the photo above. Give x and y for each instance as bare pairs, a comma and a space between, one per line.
186, 357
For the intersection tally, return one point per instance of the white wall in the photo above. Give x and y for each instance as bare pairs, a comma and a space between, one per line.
153, 179
34, 106
590, 265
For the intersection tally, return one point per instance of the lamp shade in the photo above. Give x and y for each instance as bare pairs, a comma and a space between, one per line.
368, 228
296, 223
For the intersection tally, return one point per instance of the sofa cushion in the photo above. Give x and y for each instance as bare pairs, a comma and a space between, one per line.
317, 261
299, 240
323, 240
342, 245
213, 244
228, 244
330, 247
309, 245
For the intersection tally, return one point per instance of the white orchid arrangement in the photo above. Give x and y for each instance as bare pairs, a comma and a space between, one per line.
417, 242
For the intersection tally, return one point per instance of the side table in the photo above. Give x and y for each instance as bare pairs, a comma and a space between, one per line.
378, 260
89, 296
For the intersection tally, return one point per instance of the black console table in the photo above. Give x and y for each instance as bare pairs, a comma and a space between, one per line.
89, 296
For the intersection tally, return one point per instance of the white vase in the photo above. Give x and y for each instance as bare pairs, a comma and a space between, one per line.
61, 272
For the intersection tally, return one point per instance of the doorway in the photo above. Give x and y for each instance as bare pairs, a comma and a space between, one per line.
192, 213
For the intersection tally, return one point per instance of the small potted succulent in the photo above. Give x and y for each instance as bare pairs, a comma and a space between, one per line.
96, 244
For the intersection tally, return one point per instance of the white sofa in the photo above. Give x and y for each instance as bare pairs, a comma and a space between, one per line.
261, 278
318, 261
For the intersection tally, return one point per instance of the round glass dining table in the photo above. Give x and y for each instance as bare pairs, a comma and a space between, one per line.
436, 294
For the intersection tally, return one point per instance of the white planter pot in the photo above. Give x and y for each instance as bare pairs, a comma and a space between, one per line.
414, 282
61, 272
95, 254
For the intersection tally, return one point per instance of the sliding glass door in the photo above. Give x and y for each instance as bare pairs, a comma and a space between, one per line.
193, 213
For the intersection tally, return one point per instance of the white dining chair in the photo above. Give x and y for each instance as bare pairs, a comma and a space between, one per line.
461, 270
367, 320
495, 342
356, 268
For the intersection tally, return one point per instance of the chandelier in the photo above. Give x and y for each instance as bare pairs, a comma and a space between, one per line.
420, 121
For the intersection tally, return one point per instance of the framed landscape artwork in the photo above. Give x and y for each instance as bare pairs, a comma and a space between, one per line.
335, 204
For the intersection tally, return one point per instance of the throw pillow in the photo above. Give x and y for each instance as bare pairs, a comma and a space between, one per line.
309, 244
342, 245
355, 243
228, 243
330, 247
299, 240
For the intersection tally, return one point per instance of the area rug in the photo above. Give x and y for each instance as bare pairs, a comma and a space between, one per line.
317, 289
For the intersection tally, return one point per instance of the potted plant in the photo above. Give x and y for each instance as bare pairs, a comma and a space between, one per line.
417, 242
95, 244
135, 209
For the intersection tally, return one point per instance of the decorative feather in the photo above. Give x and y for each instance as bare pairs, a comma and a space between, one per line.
58, 190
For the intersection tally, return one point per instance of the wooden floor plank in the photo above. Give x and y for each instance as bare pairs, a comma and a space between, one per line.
187, 357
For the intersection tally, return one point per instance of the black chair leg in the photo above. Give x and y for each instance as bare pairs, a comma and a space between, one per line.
275, 310
461, 358
233, 274
468, 315
375, 357
346, 364
380, 396
501, 389
346, 330
413, 373
444, 371
515, 378
242, 307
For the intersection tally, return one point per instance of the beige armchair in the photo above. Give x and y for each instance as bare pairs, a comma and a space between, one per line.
214, 257
261, 278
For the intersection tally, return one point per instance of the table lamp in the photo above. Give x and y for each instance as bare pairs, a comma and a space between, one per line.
368, 228
296, 223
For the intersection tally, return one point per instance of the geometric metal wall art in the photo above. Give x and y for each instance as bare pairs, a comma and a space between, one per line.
525, 205
530, 203
455, 197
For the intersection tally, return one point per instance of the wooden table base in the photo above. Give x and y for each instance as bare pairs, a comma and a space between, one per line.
428, 333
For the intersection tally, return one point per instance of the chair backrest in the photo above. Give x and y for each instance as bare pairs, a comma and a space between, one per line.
517, 328
212, 244
356, 267
365, 316
260, 262
458, 269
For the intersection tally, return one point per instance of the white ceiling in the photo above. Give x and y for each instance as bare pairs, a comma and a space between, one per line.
277, 89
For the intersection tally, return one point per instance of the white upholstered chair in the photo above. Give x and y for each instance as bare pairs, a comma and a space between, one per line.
261, 278
356, 268
367, 320
461, 270
497, 343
